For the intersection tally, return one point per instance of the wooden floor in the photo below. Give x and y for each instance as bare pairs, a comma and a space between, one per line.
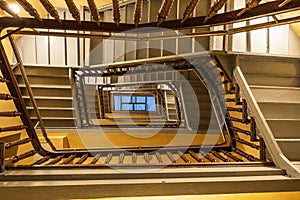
244, 196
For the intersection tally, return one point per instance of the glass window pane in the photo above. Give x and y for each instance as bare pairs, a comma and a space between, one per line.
139, 107
127, 107
140, 99
126, 99
151, 106
117, 103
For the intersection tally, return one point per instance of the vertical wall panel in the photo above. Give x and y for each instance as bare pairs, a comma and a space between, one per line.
154, 46
294, 43
29, 50
108, 45
42, 51
259, 37
169, 45
184, 44
202, 42
239, 40
57, 46
142, 46
87, 17
96, 55
218, 41
19, 44
119, 45
279, 39
71, 45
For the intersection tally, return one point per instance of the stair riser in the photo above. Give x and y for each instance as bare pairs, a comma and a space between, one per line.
280, 111
45, 80
51, 103
48, 92
53, 113
45, 71
278, 68
285, 128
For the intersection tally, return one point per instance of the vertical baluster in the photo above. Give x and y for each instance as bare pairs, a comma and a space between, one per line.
189, 10
31, 10
94, 11
56, 160
50, 9
164, 11
205, 155
253, 133
228, 154
237, 96
138, 12
218, 5
244, 111
251, 4
195, 156
4, 6
146, 157
108, 158
69, 159
2, 156
215, 153
183, 157
73, 10
158, 156
3, 80
171, 158
134, 158
10, 114
121, 158
41, 161
96, 158
284, 3
116, 12
82, 159
22, 156
16, 143
262, 152
245, 155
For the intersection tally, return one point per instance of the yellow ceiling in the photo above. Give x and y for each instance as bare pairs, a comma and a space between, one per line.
57, 3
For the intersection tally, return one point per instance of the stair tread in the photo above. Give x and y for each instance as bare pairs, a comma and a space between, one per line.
50, 108
47, 97
200, 171
44, 75
288, 139
47, 86
55, 118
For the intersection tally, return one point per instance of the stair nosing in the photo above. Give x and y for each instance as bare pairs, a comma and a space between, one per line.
50, 108
273, 87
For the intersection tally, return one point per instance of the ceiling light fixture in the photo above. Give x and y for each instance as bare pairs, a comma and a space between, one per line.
14, 7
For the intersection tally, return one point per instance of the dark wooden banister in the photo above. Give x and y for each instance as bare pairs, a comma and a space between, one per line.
29, 90
19, 101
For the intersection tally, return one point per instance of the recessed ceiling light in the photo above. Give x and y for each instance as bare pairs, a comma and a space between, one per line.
14, 7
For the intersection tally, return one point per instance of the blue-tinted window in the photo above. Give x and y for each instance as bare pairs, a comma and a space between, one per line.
134, 103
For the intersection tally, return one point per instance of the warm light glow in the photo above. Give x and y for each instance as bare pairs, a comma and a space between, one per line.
14, 7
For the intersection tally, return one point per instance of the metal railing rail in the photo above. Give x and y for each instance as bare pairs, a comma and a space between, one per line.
277, 156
